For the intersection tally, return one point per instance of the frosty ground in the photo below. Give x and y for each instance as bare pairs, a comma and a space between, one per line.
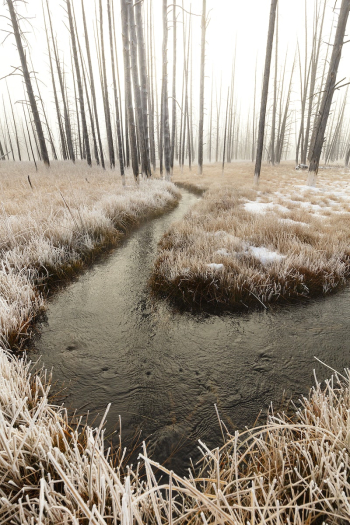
54, 469
244, 245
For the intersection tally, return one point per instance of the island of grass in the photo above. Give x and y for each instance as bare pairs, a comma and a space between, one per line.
244, 246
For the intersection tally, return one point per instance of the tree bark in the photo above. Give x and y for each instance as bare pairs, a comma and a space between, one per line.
201, 91
166, 129
28, 83
265, 90
128, 94
318, 134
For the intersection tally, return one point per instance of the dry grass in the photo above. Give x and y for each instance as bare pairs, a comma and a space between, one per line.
51, 231
292, 471
245, 245
54, 471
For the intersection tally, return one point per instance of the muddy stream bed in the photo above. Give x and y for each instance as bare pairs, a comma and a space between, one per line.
163, 371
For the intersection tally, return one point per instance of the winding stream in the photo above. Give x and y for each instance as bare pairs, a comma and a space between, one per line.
108, 341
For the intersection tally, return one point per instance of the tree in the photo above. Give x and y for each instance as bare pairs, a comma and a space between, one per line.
28, 83
265, 89
201, 94
319, 130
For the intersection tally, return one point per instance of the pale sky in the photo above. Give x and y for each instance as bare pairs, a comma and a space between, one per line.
231, 21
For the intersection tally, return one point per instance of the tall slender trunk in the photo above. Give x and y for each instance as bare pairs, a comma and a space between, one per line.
173, 120
80, 85
128, 94
92, 86
274, 111
321, 121
144, 86
225, 135
165, 105
201, 90
265, 89
116, 101
105, 93
28, 83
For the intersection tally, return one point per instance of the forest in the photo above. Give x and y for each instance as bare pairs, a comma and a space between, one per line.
175, 260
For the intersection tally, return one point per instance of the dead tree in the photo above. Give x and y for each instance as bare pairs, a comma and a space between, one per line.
265, 89
116, 101
105, 94
319, 130
166, 130
173, 120
201, 92
144, 84
28, 83
128, 94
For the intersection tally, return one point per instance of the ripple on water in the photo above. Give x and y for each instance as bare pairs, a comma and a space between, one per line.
163, 371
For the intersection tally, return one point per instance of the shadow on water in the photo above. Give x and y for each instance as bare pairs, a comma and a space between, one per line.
162, 370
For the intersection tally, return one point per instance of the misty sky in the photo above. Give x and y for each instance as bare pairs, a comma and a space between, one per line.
231, 21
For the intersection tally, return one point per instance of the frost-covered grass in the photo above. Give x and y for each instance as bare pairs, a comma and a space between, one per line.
50, 231
245, 245
291, 470
54, 470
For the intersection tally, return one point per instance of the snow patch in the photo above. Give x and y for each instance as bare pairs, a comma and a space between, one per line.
264, 255
263, 207
214, 266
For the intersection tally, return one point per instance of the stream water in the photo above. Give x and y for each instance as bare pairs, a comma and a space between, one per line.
108, 341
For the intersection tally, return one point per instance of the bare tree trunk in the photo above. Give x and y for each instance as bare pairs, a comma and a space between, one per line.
28, 83
68, 129
321, 121
225, 135
80, 85
166, 129
92, 86
265, 89
105, 94
201, 92
128, 94
116, 101
274, 111
173, 121
144, 86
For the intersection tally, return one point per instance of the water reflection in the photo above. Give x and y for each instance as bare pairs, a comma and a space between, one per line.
163, 371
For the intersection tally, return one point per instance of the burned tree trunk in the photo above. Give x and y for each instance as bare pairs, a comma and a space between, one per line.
201, 93
28, 83
173, 122
166, 130
92, 86
265, 90
144, 84
128, 94
317, 139
105, 95
116, 101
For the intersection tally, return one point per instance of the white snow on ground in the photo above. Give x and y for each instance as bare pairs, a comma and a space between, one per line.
264, 255
214, 266
263, 207
294, 223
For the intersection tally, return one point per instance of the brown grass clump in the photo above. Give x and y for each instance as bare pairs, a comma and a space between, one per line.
244, 245
49, 232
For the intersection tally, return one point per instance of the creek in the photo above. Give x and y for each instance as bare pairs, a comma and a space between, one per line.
109, 341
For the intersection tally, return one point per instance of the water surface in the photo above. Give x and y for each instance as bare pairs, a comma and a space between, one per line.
163, 371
